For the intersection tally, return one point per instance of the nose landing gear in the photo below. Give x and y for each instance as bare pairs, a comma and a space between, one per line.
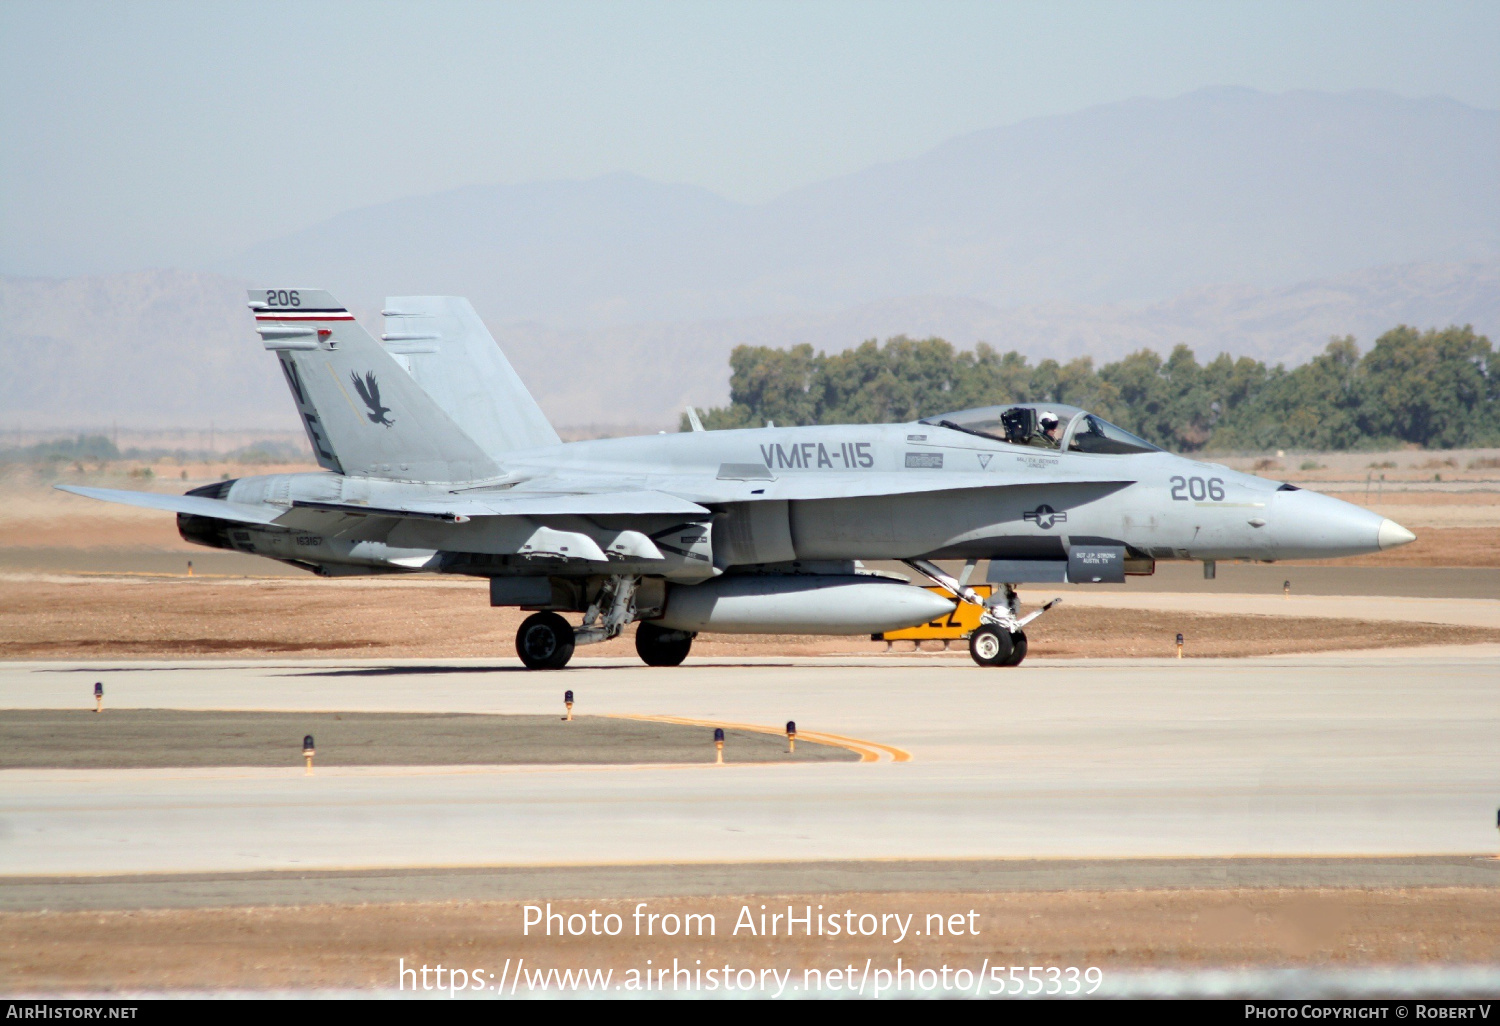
991, 646
1000, 638
994, 645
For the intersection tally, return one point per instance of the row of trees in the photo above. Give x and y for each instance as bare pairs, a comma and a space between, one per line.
1439, 389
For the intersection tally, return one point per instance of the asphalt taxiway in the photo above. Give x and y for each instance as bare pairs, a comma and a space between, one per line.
1387, 754
178, 738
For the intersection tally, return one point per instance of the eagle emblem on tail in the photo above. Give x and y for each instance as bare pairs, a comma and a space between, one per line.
369, 390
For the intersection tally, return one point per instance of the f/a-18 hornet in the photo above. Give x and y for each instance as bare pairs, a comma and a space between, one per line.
437, 459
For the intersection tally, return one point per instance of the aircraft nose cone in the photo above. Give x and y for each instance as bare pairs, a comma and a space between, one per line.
1393, 534
1308, 525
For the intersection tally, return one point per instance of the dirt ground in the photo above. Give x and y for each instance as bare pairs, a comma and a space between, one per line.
81, 618
328, 946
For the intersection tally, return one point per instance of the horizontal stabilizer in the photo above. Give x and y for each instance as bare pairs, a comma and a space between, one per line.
197, 505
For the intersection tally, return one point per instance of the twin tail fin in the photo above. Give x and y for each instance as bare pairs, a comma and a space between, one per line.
364, 413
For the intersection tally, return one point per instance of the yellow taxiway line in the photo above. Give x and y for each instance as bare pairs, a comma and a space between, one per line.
868, 751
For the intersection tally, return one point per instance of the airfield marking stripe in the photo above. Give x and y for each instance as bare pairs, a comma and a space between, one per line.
868, 751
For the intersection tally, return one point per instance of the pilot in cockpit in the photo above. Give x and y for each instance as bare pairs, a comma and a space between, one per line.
1050, 434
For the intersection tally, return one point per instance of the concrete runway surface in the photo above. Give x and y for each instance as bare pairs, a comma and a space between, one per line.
1393, 753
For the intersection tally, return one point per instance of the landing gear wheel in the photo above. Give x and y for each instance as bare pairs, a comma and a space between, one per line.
545, 642
990, 646
661, 646
1017, 649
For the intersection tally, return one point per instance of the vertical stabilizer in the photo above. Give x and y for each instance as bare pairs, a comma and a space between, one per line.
450, 353
364, 415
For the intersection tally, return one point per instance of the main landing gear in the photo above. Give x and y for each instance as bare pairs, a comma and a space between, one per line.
546, 641
658, 646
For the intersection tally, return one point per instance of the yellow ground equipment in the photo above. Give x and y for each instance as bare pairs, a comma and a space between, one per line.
956, 626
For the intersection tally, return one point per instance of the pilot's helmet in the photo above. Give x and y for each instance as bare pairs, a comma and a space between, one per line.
1048, 420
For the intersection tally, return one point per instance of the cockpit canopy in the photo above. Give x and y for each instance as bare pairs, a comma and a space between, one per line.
1045, 426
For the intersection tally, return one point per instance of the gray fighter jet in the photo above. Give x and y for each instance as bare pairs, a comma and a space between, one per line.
437, 459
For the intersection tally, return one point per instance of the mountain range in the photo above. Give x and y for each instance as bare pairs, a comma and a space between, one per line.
1227, 219
1132, 202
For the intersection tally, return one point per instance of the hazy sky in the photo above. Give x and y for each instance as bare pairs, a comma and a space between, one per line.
140, 135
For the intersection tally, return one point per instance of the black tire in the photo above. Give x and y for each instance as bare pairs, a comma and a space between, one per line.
1017, 649
545, 642
661, 646
990, 646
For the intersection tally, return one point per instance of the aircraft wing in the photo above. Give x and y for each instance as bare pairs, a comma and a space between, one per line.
460, 508
590, 503
857, 484
197, 505
452, 509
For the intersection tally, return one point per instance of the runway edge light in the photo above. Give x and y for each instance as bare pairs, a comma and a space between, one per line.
98, 695
718, 746
568, 704
791, 735
307, 753
1179, 646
